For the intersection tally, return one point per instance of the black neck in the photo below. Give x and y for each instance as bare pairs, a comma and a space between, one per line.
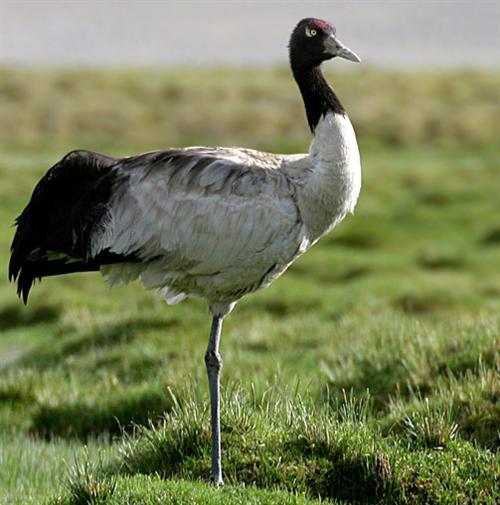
319, 97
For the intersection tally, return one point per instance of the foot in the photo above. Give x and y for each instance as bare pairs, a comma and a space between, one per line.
216, 480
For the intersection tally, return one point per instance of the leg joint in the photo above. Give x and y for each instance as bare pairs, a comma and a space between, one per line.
213, 360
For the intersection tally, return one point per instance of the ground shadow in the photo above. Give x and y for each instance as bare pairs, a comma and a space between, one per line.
491, 237
44, 357
279, 308
104, 417
16, 316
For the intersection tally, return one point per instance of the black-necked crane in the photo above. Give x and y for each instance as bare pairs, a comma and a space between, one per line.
212, 222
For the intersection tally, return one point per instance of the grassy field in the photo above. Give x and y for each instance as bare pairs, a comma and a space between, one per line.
367, 374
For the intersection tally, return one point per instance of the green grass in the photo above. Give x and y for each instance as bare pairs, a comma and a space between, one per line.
249, 107
367, 374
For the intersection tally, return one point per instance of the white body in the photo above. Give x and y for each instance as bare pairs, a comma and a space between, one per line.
224, 229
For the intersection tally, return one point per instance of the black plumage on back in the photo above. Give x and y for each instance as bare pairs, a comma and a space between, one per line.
67, 207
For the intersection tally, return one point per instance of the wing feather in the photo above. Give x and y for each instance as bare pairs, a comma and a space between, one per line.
204, 211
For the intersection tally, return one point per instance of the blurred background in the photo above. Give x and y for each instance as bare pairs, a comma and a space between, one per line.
156, 73
398, 307
431, 34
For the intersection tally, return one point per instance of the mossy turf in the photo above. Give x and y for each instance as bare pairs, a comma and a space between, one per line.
367, 374
144, 490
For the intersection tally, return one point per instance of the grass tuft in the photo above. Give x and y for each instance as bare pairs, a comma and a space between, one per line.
84, 485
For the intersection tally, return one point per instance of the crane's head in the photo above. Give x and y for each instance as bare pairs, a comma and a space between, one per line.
314, 41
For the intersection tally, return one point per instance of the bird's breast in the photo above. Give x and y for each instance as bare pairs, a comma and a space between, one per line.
331, 187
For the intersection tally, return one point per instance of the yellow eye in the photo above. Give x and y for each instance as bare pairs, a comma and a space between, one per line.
313, 32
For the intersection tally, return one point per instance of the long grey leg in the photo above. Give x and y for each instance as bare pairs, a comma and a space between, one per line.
214, 364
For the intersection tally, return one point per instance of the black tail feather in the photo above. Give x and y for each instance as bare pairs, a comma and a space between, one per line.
66, 211
32, 270
37, 269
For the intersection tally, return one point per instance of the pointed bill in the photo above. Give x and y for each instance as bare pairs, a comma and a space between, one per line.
345, 52
336, 48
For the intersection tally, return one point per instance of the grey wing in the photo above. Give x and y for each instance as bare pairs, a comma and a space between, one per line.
204, 210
